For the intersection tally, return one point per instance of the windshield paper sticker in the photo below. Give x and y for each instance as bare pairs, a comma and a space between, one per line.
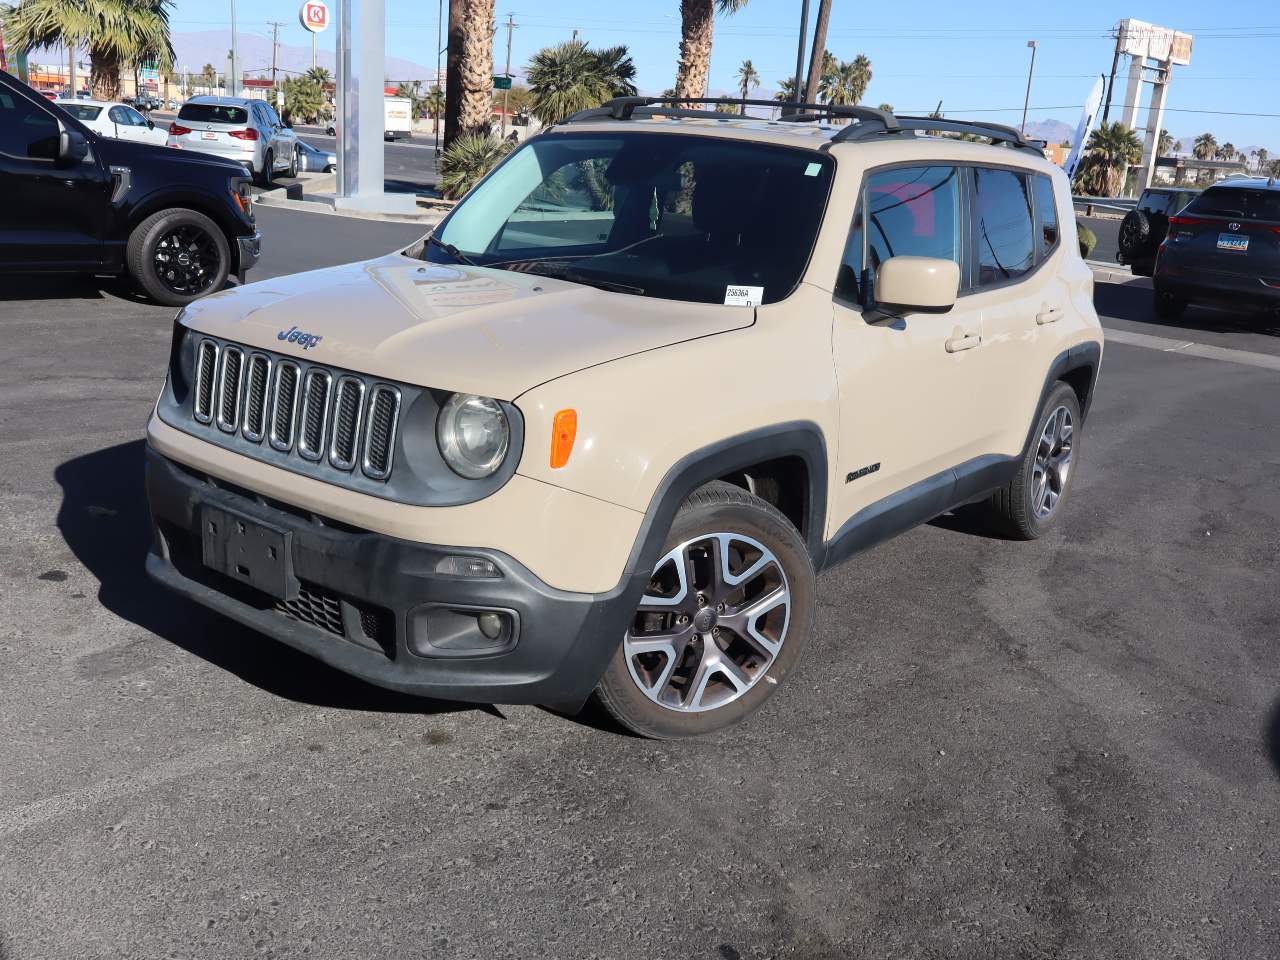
813, 169
743, 296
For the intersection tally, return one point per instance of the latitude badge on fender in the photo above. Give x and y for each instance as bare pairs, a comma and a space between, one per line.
862, 472
294, 335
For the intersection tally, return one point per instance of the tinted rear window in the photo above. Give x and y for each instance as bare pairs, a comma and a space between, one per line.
81, 112
1238, 202
213, 113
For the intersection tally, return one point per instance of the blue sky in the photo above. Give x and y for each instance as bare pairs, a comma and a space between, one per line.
971, 56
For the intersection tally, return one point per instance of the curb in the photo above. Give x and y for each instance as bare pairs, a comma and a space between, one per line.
270, 199
1104, 272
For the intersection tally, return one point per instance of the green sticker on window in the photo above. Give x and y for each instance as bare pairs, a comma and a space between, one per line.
813, 169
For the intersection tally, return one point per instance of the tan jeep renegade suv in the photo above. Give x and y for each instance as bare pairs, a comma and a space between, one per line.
600, 429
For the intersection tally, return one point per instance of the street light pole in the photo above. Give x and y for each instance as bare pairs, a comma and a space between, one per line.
1030, 74
233, 82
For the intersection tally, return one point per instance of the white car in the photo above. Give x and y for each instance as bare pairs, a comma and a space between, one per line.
118, 120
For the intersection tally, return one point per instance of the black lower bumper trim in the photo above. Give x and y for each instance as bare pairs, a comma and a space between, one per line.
361, 588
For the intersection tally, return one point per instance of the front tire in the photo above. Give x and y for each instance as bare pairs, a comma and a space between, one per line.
178, 255
293, 163
1028, 505
725, 618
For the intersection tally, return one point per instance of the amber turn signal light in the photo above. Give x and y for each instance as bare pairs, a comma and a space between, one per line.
564, 429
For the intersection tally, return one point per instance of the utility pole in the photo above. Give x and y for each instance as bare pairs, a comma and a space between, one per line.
233, 81
275, 26
1030, 73
453, 70
506, 94
1115, 62
797, 93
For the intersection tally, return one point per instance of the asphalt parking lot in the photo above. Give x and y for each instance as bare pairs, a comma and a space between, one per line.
1063, 749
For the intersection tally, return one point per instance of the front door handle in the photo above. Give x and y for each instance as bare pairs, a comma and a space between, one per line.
1049, 315
960, 340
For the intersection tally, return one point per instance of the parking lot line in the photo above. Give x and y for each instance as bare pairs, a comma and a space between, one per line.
1191, 348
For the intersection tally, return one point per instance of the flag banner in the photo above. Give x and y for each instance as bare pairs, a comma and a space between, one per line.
1091, 105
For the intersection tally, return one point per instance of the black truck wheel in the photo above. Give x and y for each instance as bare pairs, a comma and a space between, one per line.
177, 255
1135, 234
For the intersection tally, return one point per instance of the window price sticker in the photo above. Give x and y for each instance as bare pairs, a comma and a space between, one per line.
743, 296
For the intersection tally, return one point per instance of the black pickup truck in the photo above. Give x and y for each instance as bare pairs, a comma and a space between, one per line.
178, 223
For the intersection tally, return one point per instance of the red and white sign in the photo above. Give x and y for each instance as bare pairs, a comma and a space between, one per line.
314, 15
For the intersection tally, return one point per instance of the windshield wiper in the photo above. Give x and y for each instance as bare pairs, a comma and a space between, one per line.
451, 250
563, 271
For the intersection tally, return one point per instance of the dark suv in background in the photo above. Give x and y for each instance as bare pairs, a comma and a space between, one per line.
1144, 227
1223, 248
178, 223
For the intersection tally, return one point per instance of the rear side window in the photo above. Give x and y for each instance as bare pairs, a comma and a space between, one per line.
212, 113
905, 212
1238, 202
81, 112
27, 131
1003, 232
1046, 213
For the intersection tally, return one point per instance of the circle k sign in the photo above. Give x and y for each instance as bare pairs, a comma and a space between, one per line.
314, 15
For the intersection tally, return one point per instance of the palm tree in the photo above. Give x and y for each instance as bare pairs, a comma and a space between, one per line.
748, 79
1113, 147
786, 91
319, 76
1206, 146
849, 82
570, 77
467, 159
1227, 151
435, 105
1262, 154
209, 76
1166, 144
827, 78
475, 108
819, 43
116, 32
886, 107
697, 17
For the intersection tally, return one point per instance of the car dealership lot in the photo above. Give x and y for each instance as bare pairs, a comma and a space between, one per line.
1068, 748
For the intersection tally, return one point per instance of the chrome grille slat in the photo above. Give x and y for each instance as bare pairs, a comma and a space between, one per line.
206, 370
257, 383
348, 414
380, 434
314, 425
284, 405
333, 419
229, 384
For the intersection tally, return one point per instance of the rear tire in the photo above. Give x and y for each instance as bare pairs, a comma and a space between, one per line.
1032, 500
705, 650
293, 163
178, 256
268, 170
1167, 306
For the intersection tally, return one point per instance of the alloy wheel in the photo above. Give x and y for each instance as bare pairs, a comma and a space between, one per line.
186, 260
711, 623
1052, 463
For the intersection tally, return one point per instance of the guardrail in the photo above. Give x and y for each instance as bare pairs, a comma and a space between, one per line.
1117, 204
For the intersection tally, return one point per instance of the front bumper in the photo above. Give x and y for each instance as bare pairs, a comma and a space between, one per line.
364, 596
250, 251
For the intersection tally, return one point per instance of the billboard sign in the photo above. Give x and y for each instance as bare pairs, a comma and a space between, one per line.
1141, 39
314, 15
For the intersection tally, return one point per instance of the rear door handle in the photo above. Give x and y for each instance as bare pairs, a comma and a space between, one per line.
1049, 315
960, 340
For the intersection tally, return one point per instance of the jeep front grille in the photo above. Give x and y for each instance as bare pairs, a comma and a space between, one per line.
309, 411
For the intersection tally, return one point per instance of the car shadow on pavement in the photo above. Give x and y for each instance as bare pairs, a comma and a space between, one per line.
1134, 303
64, 286
105, 521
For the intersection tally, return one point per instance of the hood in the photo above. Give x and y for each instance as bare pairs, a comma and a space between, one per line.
129, 151
465, 329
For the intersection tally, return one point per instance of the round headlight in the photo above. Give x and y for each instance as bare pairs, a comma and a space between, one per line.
473, 434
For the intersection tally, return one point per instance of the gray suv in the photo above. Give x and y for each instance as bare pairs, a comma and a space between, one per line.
237, 128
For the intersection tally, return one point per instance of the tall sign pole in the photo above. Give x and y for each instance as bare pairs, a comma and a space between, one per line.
233, 81
506, 93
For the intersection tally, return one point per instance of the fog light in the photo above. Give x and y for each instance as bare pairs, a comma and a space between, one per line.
437, 630
490, 625
453, 566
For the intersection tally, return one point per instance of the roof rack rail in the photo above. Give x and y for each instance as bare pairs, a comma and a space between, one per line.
624, 108
871, 123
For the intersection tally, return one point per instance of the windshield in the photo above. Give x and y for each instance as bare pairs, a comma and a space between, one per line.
80, 111
212, 113
1236, 202
1158, 202
664, 215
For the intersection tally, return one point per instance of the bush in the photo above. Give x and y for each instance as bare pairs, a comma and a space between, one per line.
467, 160
1088, 240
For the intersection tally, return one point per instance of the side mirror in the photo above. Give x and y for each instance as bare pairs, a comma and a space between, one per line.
151, 124
72, 147
917, 284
